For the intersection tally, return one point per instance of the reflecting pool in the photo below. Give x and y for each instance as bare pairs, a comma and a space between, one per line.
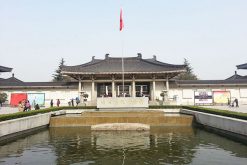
160, 145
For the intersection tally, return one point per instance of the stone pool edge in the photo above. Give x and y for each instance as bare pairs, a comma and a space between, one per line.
218, 124
235, 129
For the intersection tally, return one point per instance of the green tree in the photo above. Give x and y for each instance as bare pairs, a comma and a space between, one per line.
58, 75
3, 98
188, 75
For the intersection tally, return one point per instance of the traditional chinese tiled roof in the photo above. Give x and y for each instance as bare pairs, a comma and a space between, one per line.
5, 69
242, 66
211, 82
236, 77
14, 82
131, 65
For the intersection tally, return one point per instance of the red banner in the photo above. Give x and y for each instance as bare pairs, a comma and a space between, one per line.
16, 97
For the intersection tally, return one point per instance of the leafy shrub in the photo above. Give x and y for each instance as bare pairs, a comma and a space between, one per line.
41, 111
3, 98
226, 113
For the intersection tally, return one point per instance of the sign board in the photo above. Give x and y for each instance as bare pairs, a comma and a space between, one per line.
203, 98
36, 98
122, 102
221, 97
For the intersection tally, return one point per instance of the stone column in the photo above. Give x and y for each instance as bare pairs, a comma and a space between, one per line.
79, 87
106, 90
113, 87
118, 90
153, 95
167, 86
92, 92
133, 87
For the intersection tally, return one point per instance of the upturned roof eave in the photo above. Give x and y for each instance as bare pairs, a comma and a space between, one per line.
5, 69
93, 73
242, 66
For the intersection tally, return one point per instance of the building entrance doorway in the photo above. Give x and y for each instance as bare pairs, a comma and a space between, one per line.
124, 91
142, 89
104, 90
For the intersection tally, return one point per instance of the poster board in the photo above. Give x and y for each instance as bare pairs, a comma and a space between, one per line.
36, 98
15, 98
203, 98
221, 97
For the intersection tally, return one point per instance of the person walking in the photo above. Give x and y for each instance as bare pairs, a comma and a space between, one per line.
58, 102
51, 103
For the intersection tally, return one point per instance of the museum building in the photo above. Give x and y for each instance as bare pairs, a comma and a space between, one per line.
128, 77
123, 77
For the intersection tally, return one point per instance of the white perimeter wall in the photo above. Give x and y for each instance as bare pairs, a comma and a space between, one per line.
65, 95
185, 95
178, 96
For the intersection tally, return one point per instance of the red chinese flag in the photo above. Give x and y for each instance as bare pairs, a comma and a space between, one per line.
121, 20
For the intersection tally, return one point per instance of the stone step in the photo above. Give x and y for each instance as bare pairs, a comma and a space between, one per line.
122, 113
154, 120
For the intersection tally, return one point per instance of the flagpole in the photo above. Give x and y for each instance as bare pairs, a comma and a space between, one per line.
123, 65
122, 45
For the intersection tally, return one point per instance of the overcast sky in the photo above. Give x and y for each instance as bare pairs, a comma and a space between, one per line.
36, 34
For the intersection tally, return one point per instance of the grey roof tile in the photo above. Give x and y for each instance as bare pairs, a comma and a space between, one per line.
12, 81
131, 64
211, 82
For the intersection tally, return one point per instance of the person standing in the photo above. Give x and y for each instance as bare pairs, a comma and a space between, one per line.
28, 106
51, 103
58, 102
20, 107
77, 101
72, 102
236, 101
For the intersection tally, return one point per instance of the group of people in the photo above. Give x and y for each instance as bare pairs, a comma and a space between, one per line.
58, 103
77, 101
24, 106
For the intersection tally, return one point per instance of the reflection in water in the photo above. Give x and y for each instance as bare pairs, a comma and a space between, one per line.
161, 145
104, 140
28, 150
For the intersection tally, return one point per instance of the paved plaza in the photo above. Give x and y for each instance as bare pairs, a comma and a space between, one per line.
241, 108
8, 110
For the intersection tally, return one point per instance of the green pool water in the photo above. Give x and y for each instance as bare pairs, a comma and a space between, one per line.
160, 145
